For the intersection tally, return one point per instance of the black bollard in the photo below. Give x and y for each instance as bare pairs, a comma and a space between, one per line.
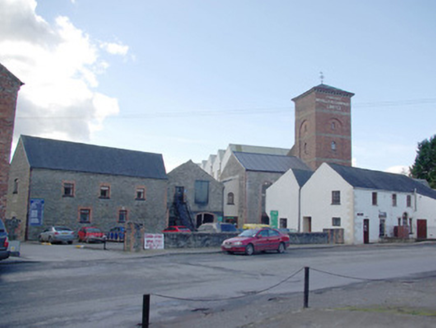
306, 287
146, 311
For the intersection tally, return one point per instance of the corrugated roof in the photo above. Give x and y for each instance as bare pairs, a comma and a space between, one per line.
377, 180
70, 156
269, 163
258, 149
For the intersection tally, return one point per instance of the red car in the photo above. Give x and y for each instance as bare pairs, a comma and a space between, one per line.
91, 234
176, 229
256, 240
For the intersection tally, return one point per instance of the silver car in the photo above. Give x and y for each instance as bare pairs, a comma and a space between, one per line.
57, 234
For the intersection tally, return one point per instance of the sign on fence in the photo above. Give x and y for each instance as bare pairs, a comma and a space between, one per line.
153, 241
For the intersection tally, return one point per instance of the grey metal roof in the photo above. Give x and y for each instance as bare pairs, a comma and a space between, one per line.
269, 163
377, 180
70, 156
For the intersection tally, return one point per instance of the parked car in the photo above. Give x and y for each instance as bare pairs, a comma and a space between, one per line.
217, 227
256, 240
116, 234
176, 229
4, 242
90, 235
57, 234
248, 226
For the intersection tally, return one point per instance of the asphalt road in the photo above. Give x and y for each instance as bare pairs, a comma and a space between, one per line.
66, 286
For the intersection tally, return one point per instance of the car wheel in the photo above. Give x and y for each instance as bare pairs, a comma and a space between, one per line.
70, 242
249, 249
281, 248
229, 252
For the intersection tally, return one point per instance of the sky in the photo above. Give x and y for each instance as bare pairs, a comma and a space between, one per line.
184, 78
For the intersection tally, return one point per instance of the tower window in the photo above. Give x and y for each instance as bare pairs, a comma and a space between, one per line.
333, 145
333, 126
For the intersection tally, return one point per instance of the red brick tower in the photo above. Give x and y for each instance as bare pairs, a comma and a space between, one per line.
323, 126
9, 86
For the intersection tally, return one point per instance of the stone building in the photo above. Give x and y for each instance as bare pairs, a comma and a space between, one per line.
194, 197
246, 177
64, 183
9, 86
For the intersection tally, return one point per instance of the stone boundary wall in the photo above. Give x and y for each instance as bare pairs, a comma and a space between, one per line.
200, 240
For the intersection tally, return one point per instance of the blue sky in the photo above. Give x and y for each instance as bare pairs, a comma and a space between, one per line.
186, 78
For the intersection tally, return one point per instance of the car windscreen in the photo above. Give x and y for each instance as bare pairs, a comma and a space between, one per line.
249, 233
62, 229
93, 230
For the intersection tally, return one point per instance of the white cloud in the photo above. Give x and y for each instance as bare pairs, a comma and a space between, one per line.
115, 48
60, 66
400, 169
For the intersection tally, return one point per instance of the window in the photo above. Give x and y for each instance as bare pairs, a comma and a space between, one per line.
140, 193
336, 222
394, 199
68, 189
374, 198
201, 192
230, 198
333, 126
122, 216
333, 145
104, 192
15, 191
336, 197
410, 226
85, 215
409, 201
283, 223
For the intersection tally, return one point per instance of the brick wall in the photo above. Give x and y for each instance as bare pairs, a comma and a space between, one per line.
320, 119
9, 86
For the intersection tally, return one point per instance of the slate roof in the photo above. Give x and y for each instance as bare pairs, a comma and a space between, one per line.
302, 176
78, 157
377, 180
269, 163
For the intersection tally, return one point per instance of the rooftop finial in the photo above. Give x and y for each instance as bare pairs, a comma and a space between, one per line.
321, 76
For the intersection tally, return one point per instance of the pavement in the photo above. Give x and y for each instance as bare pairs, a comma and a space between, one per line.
407, 302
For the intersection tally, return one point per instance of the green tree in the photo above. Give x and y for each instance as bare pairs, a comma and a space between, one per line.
425, 162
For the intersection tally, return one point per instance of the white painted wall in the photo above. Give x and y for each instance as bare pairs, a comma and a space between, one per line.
283, 196
426, 210
316, 202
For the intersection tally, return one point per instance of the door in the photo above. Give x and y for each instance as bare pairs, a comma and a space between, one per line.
261, 243
307, 224
366, 231
274, 239
421, 229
